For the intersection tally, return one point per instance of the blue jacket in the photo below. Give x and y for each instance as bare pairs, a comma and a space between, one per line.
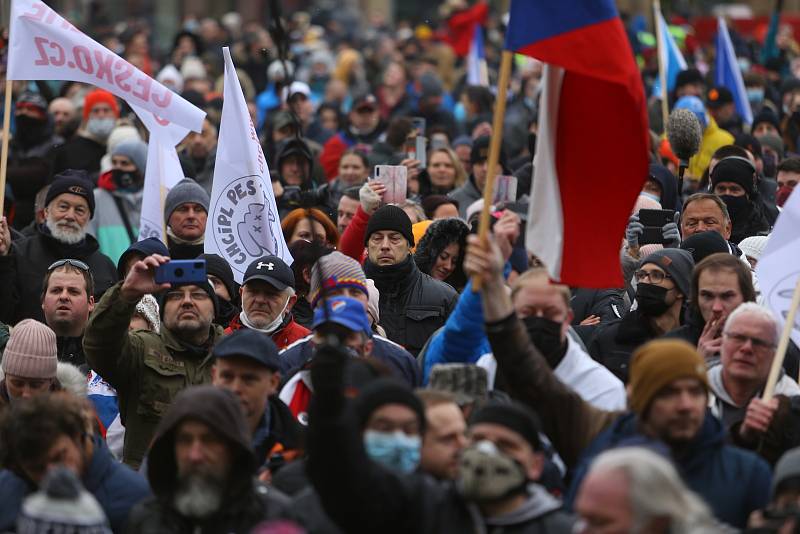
732, 481
462, 339
115, 486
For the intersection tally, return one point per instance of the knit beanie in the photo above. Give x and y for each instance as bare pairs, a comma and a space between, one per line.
147, 307
134, 149
145, 247
99, 96
703, 244
74, 182
217, 266
677, 263
787, 467
335, 271
658, 363
31, 351
768, 116
466, 381
512, 415
185, 191
385, 391
62, 505
737, 170
391, 218
753, 246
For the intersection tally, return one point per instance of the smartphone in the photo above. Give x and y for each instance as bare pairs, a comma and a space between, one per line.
410, 148
181, 272
419, 124
505, 190
421, 150
395, 178
654, 221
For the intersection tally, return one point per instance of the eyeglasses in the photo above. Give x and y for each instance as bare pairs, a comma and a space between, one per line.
178, 296
78, 264
741, 339
655, 277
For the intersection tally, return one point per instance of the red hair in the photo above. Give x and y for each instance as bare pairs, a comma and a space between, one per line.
291, 220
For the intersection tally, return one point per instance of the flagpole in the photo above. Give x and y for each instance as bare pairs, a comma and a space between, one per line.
6, 134
662, 68
494, 149
783, 344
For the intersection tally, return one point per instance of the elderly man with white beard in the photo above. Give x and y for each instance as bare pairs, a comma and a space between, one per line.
69, 206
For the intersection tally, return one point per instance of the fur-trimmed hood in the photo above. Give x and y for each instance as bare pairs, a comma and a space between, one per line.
438, 236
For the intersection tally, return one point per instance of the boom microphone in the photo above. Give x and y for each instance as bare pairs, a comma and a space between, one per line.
684, 134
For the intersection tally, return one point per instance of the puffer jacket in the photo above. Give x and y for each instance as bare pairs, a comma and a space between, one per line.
412, 305
439, 235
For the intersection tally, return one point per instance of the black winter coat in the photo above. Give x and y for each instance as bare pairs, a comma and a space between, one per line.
413, 305
614, 343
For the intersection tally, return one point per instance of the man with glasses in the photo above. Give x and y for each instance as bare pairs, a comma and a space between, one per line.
663, 286
69, 206
148, 369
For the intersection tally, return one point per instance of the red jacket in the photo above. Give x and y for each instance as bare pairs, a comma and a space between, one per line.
352, 241
283, 337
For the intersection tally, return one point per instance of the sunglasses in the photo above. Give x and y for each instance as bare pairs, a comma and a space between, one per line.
74, 263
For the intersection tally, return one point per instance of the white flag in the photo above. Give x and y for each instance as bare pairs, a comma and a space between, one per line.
779, 266
45, 46
163, 172
243, 221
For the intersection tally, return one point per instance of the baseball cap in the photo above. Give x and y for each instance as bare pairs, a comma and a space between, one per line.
344, 311
296, 88
248, 343
272, 270
365, 101
719, 96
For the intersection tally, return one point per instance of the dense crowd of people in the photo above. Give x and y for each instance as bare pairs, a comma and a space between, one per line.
367, 385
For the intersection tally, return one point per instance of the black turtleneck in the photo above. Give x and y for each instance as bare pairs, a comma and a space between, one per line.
391, 279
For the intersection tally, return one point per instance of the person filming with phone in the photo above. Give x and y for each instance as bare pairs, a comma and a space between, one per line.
148, 369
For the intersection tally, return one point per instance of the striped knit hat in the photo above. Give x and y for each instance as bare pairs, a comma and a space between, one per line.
335, 271
31, 351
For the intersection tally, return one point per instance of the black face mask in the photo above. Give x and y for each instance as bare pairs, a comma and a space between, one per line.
652, 299
738, 207
227, 311
545, 335
29, 130
126, 180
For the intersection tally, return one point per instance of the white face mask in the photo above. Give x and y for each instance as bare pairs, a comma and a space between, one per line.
271, 327
101, 128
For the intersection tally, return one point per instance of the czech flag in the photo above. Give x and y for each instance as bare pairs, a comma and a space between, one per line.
592, 145
477, 72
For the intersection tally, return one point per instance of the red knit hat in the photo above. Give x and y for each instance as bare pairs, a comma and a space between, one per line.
96, 97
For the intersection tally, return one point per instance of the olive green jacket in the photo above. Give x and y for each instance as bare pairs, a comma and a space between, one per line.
147, 369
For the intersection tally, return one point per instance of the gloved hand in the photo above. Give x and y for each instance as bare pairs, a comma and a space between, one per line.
370, 199
671, 233
633, 232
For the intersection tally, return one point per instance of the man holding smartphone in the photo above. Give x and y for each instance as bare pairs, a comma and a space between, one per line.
148, 369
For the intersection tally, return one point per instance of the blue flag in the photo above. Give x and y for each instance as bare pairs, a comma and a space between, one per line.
670, 55
728, 74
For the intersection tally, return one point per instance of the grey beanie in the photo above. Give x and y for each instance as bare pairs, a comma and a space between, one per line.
187, 190
677, 263
134, 149
787, 467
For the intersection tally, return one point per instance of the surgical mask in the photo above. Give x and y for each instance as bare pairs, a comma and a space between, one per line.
394, 450
126, 180
652, 299
101, 128
488, 475
651, 196
738, 207
271, 327
755, 95
544, 334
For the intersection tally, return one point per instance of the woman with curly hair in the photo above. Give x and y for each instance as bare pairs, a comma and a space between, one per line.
440, 252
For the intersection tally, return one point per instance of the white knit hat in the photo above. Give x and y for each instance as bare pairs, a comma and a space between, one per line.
147, 307
754, 246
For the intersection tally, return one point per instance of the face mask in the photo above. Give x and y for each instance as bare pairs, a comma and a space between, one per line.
651, 196
271, 327
101, 128
545, 335
395, 450
652, 299
755, 95
783, 195
770, 167
126, 181
28, 129
737, 206
460, 113
487, 475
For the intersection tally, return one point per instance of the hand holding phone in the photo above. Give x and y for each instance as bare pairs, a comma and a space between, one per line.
182, 272
395, 178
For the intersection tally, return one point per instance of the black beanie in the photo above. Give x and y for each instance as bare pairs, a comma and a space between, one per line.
735, 169
145, 247
383, 391
217, 266
392, 218
513, 416
704, 244
74, 182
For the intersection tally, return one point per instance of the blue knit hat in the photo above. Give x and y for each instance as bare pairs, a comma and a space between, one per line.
135, 150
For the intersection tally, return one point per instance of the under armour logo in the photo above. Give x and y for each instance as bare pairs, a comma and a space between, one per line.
270, 266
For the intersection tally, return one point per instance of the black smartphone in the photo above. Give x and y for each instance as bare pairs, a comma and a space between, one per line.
654, 221
181, 272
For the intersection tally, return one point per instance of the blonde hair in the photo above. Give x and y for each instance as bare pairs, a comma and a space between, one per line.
538, 277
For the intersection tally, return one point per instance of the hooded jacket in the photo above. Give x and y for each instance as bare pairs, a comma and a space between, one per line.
245, 503
439, 235
669, 187
108, 225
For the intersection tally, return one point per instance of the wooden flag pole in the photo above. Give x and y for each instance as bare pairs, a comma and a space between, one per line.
4, 155
494, 150
783, 344
662, 68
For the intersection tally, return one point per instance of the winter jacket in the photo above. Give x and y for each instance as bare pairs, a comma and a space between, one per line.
70, 350
23, 270
352, 240
439, 235
732, 481
751, 222
614, 343
80, 152
146, 368
466, 195
29, 169
277, 439
608, 304
288, 333
246, 502
361, 496
116, 487
108, 225
714, 137
412, 304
